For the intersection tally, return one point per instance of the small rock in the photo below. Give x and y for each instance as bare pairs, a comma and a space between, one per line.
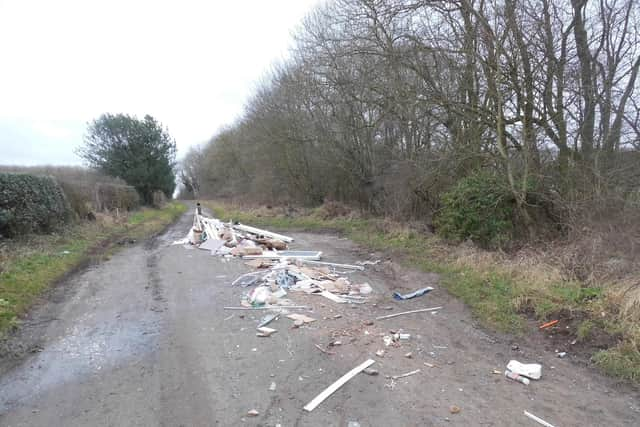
335, 343
369, 322
380, 353
408, 355
297, 323
371, 371
337, 316
562, 354
454, 409
515, 347
272, 387
253, 413
353, 424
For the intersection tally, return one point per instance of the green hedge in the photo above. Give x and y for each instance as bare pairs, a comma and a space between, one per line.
30, 203
479, 207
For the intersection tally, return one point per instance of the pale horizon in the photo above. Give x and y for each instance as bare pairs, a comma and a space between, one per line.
191, 65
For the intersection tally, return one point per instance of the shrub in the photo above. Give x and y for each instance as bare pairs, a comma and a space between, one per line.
113, 196
479, 207
30, 203
158, 199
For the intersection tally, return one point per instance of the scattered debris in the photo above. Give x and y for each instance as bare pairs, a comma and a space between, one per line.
270, 307
408, 374
530, 370
323, 350
333, 264
422, 310
516, 377
262, 233
429, 365
417, 293
268, 319
336, 385
497, 372
454, 409
376, 262
538, 420
277, 255
266, 332
549, 324
301, 317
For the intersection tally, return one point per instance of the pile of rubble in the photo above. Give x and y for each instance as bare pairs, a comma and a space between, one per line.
279, 270
233, 239
276, 278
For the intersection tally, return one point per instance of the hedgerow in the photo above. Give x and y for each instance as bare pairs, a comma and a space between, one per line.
31, 203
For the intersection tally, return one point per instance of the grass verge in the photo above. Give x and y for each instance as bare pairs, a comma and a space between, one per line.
503, 294
29, 265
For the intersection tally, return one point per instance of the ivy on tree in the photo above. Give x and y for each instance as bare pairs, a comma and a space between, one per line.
141, 152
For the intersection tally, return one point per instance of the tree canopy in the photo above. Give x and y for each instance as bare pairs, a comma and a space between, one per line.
388, 104
141, 152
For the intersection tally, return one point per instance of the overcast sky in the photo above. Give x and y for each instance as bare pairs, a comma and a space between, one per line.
191, 64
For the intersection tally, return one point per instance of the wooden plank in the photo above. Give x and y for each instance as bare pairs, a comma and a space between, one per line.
538, 420
333, 264
260, 232
336, 385
332, 297
297, 255
422, 310
269, 307
302, 317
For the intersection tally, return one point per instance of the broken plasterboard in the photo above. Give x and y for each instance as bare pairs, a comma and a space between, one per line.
212, 244
302, 317
303, 255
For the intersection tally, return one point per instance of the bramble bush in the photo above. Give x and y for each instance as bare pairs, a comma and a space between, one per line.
479, 207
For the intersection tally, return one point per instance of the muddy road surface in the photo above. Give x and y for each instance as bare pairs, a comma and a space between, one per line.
142, 340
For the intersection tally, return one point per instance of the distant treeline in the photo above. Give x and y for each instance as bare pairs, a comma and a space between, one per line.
410, 108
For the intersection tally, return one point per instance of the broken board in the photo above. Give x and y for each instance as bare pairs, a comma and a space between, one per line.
336, 385
302, 255
302, 317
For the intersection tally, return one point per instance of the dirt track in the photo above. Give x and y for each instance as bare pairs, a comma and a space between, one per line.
142, 339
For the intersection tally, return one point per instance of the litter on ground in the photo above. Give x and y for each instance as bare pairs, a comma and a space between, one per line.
336, 385
417, 293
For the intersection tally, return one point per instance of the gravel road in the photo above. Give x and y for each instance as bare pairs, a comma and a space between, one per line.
142, 339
